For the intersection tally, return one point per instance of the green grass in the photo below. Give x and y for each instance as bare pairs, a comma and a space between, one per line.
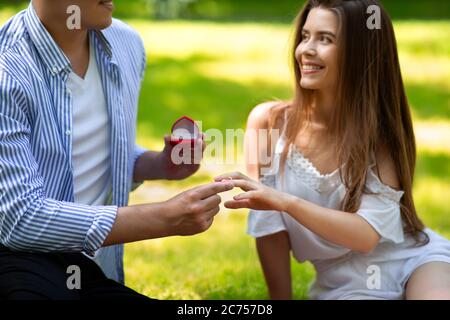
219, 264
216, 72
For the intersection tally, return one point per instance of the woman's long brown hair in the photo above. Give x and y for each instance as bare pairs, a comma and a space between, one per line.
371, 111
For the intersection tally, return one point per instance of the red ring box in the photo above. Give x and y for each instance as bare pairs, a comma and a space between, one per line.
184, 130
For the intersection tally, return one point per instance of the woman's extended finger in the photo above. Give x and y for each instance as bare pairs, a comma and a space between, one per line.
232, 175
243, 184
239, 204
245, 196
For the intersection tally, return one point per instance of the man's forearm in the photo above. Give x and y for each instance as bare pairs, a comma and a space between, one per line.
188, 213
148, 167
139, 222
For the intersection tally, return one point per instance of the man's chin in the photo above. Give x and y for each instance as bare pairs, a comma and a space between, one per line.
102, 24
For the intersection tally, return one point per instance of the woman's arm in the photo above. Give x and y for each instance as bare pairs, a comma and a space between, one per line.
346, 229
274, 256
343, 228
273, 250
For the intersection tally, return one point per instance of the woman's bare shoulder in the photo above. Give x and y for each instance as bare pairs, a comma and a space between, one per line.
386, 168
260, 115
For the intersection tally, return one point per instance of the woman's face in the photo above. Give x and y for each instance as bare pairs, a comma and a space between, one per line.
317, 52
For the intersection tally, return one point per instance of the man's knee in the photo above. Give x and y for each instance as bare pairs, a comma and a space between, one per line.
32, 277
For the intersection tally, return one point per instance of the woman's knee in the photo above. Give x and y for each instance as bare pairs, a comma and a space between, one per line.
430, 282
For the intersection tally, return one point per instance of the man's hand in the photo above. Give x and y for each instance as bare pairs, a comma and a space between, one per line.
256, 195
187, 213
193, 211
159, 165
174, 171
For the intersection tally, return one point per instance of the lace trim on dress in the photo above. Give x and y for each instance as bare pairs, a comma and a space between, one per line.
268, 180
375, 185
309, 174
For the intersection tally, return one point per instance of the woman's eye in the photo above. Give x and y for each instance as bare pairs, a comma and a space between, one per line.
326, 40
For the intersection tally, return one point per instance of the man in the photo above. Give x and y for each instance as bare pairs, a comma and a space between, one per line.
68, 104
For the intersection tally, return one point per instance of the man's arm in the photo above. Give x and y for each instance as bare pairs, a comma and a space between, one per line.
33, 222
148, 167
30, 220
153, 165
188, 213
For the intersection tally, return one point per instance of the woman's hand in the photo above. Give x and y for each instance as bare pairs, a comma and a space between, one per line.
256, 196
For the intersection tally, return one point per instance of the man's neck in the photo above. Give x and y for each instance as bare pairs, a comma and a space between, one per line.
74, 43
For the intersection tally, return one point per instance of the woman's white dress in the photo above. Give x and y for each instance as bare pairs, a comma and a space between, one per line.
342, 273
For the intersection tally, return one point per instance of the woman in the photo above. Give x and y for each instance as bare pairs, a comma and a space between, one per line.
338, 191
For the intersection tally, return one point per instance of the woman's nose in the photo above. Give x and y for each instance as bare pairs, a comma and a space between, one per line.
308, 48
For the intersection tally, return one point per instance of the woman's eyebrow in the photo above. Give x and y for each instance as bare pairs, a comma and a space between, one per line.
321, 32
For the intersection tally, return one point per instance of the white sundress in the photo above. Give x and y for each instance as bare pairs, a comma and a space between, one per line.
340, 272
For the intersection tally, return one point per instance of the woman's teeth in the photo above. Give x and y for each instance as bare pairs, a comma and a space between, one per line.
309, 67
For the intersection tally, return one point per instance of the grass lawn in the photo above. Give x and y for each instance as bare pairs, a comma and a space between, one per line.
216, 73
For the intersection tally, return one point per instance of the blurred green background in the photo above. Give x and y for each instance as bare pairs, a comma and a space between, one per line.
215, 60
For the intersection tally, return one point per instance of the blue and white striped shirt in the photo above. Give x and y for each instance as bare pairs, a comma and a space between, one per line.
37, 209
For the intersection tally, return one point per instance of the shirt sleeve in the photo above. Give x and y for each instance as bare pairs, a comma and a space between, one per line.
29, 221
265, 222
143, 61
138, 151
381, 209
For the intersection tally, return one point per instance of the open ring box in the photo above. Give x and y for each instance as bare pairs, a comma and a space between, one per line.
184, 130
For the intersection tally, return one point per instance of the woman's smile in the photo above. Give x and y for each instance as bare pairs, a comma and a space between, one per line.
311, 68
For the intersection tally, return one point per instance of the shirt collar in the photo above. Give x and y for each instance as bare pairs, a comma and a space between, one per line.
50, 53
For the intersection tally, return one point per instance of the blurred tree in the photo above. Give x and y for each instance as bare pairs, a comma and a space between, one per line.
169, 9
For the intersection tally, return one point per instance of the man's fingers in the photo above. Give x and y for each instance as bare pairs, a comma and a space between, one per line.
211, 202
203, 145
167, 139
211, 213
232, 175
210, 189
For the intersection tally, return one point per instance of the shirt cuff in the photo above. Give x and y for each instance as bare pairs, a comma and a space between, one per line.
102, 224
138, 151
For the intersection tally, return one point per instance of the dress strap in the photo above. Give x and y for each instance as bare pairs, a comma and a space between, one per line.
373, 160
283, 130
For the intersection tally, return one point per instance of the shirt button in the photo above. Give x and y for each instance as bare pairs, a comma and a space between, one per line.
68, 132
55, 70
